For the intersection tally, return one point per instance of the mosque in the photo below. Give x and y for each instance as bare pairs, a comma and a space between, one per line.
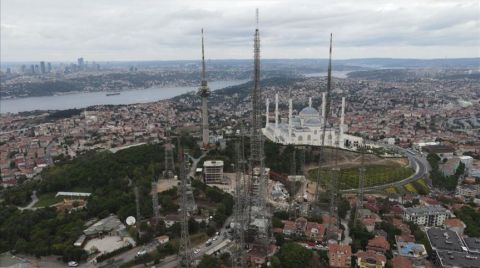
306, 128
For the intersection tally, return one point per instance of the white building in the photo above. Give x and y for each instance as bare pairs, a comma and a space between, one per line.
213, 171
306, 128
467, 190
426, 215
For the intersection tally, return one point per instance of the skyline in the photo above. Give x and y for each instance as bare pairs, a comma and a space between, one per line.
150, 31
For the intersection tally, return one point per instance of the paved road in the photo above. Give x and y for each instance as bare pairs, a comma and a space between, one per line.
195, 161
34, 201
417, 162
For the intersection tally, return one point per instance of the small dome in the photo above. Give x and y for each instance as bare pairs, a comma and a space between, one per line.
308, 111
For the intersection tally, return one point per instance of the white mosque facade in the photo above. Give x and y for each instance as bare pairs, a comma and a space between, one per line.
306, 128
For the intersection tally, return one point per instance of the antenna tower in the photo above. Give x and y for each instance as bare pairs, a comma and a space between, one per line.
169, 164
156, 212
257, 160
204, 92
361, 186
186, 259
239, 258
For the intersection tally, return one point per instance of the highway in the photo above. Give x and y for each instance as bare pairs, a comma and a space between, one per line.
417, 162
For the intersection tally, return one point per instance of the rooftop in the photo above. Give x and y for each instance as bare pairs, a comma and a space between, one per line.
426, 210
213, 163
442, 239
458, 259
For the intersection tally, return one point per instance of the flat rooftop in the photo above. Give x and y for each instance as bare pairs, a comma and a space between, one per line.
426, 210
213, 163
472, 243
458, 259
442, 239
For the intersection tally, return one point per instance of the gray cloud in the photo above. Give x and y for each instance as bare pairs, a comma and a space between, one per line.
168, 29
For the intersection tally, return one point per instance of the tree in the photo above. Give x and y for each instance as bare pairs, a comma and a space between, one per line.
209, 262
292, 255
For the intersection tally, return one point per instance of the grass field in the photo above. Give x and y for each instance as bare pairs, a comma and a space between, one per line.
374, 175
409, 187
391, 190
45, 200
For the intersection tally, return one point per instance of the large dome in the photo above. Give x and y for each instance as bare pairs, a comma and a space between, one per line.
309, 111
313, 122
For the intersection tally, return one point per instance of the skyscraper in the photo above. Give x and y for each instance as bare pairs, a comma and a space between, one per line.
42, 67
49, 67
80, 63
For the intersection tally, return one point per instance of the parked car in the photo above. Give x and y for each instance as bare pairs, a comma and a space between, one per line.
72, 264
141, 253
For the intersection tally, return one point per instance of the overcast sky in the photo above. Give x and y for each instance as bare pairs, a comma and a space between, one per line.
63, 30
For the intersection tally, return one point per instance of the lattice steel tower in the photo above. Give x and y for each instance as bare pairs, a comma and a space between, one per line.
169, 164
361, 186
155, 206
186, 258
204, 92
257, 159
238, 252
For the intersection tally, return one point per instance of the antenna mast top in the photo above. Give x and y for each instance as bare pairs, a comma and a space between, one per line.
203, 59
256, 12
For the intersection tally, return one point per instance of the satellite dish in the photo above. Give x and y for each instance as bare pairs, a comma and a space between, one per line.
130, 220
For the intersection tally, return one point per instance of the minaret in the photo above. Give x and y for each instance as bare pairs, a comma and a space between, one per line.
204, 92
310, 102
290, 120
276, 115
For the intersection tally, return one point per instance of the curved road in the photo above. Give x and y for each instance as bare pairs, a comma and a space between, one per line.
417, 162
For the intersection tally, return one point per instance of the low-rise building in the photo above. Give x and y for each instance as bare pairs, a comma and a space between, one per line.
426, 215
378, 244
370, 259
455, 225
339, 255
401, 262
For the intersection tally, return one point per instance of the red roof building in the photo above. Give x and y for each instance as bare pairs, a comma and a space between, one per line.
370, 258
379, 244
401, 262
339, 255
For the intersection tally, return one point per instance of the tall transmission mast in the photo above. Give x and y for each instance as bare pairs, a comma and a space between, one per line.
204, 92
155, 206
169, 164
137, 204
361, 186
335, 172
186, 259
257, 160
239, 258
325, 113
293, 172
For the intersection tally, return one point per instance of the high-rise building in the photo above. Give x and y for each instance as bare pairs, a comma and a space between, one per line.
42, 67
81, 63
49, 67
32, 69
213, 171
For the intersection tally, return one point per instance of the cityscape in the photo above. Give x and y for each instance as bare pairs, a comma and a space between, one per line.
220, 155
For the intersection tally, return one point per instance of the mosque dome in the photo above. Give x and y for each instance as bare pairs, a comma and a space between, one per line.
309, 111
313, 122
